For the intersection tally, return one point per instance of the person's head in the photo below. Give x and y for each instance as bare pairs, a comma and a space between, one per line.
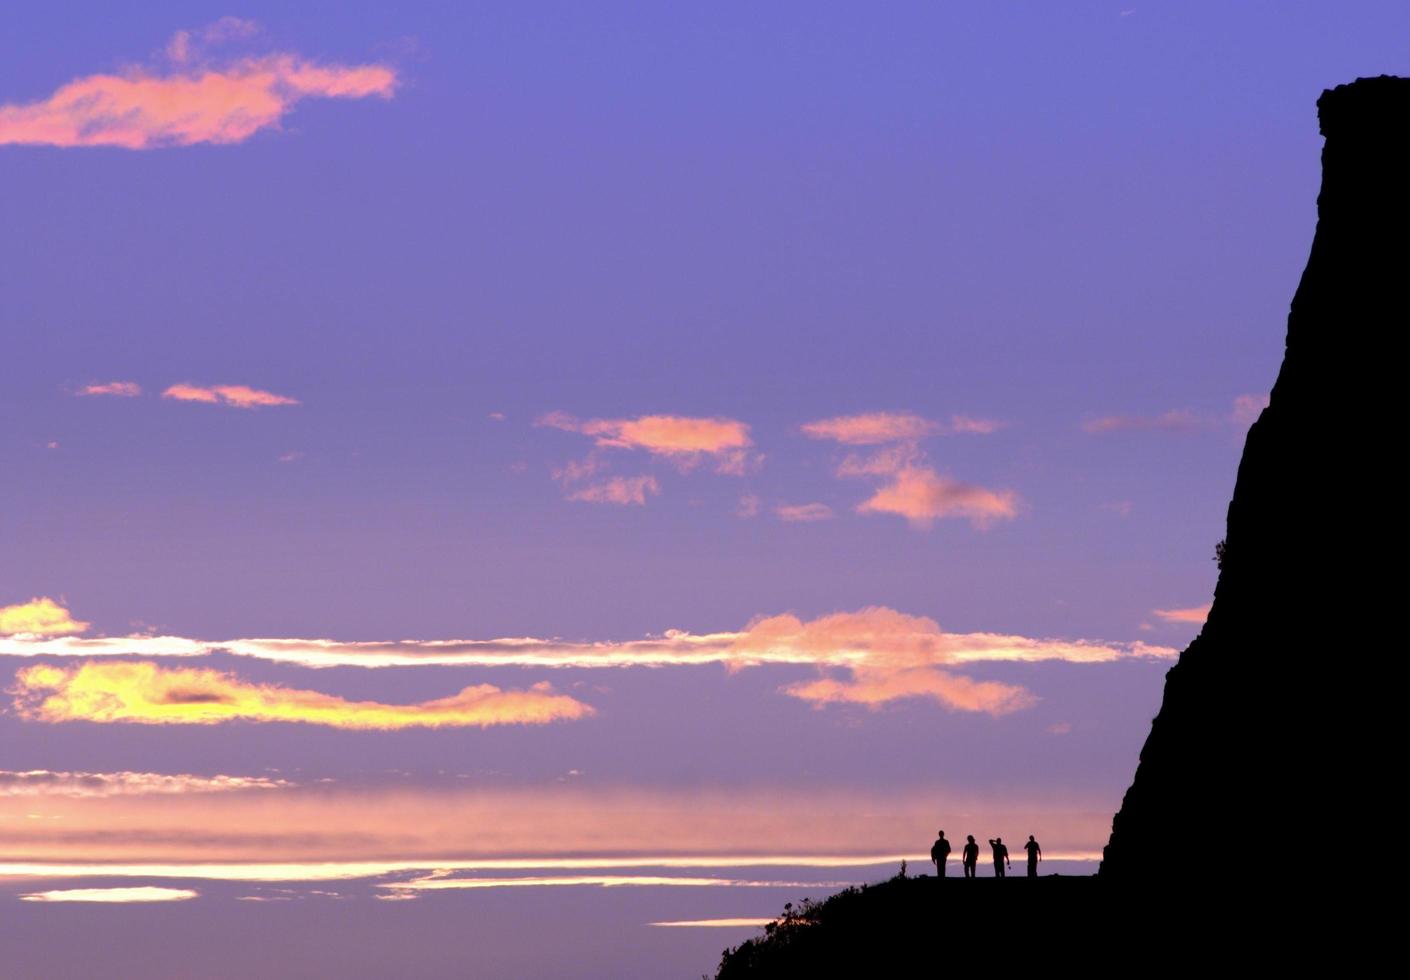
941, 833
971, 838
998, 840
1030, 837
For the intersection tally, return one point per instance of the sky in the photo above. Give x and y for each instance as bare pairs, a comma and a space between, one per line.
472, 465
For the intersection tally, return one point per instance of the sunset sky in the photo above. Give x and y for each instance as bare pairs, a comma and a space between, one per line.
482, 481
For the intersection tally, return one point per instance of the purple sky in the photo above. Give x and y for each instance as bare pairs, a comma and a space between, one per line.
554, 292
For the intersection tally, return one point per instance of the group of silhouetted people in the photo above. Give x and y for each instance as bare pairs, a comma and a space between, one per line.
969, 857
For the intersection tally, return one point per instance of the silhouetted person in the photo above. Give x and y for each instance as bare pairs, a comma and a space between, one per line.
970, 857
1001, 856
940, 853
1035, 854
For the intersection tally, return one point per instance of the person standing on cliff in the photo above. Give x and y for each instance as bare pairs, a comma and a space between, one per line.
940, 853
1001, 856
970, 857
1035, 854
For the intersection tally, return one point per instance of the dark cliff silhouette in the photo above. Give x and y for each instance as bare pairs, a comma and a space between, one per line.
1273, 723
1262, 724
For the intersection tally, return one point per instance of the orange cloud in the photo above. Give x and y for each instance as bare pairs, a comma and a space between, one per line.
684, 440
38, 617
966, 425
874, 688
124, 389
146, 693
1193, 614
236, 396
42, 782
618, 490
922, 496
872, 428
803, 512
1172, 421
189, 99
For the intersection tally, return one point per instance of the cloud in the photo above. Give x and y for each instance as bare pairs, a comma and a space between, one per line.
40, 616
873, 631
41, 782
623, 490
803, 512
872, 428
1247, 409
143, 893
682, 440
879, 428
147, 693
124, 389
874, 688
1192, 614
188, 98
737, 923
236, 396
922, 496
748, 506
1181, 420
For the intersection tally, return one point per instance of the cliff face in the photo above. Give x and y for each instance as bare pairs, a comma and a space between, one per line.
1272, 721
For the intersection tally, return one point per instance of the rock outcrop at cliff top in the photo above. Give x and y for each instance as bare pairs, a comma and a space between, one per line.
1269, 727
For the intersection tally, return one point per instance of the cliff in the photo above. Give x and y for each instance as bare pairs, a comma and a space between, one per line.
1272, 719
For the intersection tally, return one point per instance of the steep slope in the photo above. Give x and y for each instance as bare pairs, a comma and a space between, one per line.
1272, 720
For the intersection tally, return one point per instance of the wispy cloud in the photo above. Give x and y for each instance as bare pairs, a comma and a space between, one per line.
147, 693
625, 490
737, 923
1191, 614
42, 782
236, 396
872, 428
190, 96
1181, 420
873, 631
748, 506
40, 616
123, 389
142, 893
796, 513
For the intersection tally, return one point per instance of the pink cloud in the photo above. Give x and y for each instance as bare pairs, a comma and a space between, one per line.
872, 428
1172, 421
1247, 409
618, 490
803, 512
236, 396
682, 439
922, 496
1192, 614
965, 425
123, 389
748, 506
189, 99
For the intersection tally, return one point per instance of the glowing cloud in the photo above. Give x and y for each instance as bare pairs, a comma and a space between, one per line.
40, 616
41, 782
146, 693
625, 490
189, 99
683, 440
922, 496
869, 632
123, 389
1193, 614
144, 893
712, 923
803, 512
236, 396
